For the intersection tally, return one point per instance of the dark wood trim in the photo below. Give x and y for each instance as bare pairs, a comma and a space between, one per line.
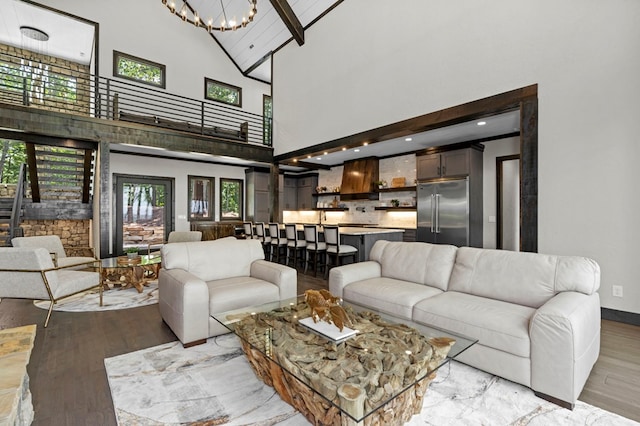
86, 179
163, 69
39, 139
631, 318
561, 403
499, 199
256, 65
274, 195
323, 14
529, 174
452, 147
103, 167
33, 171
289, 19
194, 343
486, 107
524, 99
242, 199
208, 80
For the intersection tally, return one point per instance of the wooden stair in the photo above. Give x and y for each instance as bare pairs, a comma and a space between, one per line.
11, 212
60, 173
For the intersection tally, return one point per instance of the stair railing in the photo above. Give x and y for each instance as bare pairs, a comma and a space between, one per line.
14, 228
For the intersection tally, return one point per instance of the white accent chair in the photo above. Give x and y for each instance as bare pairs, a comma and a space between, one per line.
54, 246
201, 278
29, 273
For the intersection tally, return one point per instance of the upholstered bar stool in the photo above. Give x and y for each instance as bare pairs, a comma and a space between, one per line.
248, 231
264, 239
336, 250
315, 249
278, 242
295, 246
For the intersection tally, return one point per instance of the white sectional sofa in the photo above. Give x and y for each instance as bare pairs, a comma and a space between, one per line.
536, 316
199, 279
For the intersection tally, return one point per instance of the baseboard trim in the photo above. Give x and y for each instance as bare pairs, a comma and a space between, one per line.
620, 316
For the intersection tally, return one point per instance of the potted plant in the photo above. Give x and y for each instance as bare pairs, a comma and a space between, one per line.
381, 184
132, 252
395, 203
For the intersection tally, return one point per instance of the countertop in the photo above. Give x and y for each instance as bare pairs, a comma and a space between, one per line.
354, 230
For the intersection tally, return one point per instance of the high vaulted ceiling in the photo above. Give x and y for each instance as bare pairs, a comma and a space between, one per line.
275, 24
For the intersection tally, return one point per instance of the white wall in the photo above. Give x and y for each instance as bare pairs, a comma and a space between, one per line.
492, 150
374, 62
176, 169
146, 29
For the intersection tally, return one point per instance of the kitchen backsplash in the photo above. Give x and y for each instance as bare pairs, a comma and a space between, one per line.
363, 211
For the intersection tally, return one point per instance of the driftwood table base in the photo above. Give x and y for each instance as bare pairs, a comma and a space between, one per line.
385, 370
129, 275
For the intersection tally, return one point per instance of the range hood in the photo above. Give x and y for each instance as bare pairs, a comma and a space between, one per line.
358, 180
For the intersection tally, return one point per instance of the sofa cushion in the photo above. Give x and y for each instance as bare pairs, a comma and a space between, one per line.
224, 295
421, 263
389, 295
528, 279
496, 324
213, 260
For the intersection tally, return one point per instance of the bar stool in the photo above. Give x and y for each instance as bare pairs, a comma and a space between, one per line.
335, 249
248, 231
264, 239
295, 246
278, 243
315, 249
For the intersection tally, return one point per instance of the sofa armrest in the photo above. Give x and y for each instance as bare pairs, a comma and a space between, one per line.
183, 300
565, 343
342, 276
285, 277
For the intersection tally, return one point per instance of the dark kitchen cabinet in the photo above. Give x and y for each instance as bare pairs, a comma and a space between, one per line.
258, 207
456, 163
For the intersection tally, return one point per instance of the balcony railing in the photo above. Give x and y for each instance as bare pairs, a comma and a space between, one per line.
54, 87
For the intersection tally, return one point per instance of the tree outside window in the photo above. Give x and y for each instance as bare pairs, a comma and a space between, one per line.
138, 69
267, 118
222, 92
231, 199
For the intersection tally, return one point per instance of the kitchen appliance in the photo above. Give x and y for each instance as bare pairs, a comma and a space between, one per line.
445, 214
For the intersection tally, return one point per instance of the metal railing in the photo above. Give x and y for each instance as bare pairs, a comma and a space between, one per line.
50, 86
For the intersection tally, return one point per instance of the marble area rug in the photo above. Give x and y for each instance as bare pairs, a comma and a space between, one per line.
213, 384
111, 300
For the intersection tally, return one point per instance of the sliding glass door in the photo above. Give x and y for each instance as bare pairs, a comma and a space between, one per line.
144, 212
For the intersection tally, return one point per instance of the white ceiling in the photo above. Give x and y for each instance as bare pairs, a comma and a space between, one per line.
496, 125
68, 38
250, 45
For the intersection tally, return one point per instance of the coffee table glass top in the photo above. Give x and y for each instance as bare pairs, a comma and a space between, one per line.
123, 262
382, 342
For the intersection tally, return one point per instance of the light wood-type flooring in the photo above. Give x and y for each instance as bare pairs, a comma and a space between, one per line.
69, 384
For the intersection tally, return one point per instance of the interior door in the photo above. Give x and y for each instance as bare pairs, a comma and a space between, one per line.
144, 212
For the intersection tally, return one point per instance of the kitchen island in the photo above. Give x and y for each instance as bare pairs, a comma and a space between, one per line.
364, 238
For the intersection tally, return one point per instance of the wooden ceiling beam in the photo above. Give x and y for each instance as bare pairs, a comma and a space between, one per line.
290, 19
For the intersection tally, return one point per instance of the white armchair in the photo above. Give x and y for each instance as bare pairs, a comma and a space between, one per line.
29, 273
54, 245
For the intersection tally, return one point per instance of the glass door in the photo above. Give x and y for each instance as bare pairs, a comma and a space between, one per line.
144, 212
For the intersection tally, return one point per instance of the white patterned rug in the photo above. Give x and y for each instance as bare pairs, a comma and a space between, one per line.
214, 384
111, 300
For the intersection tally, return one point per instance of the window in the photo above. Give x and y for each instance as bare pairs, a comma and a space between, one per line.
200, 197
137, 69
267, 119
222, 92
61, 87
11, 77
231, 199
37, 81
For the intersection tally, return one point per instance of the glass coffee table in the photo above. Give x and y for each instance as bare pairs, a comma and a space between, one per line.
377, 376
126, 273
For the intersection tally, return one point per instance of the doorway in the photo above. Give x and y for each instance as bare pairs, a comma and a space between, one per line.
508, 202
144, 212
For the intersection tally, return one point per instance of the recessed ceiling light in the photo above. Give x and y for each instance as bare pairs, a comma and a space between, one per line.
365, 144
408, 139
319, 158
308, 156
481, 123
325, 153
356, 150
295, 160
344, 148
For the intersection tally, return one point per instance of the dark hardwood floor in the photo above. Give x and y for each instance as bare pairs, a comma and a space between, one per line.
69, 384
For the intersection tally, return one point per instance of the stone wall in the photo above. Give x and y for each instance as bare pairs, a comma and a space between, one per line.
10, 54
73, 233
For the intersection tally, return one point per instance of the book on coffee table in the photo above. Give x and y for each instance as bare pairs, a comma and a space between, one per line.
330, 331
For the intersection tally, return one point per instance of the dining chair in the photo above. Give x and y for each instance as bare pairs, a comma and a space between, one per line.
295, 246
315, 249
278, 242
336, 250
262, 236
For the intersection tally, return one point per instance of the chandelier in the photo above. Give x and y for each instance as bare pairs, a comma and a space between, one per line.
188, 14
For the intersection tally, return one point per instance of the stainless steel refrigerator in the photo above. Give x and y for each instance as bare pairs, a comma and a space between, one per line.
444, 213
